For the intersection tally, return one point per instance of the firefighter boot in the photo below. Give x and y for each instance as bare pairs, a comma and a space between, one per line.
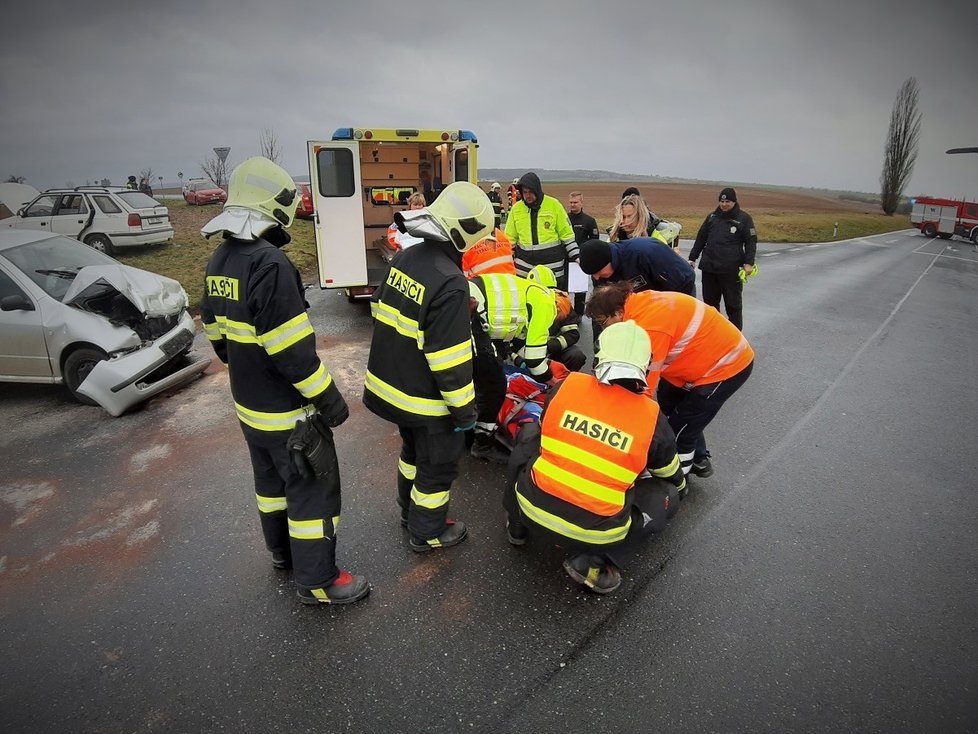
282, 561
485, 447
593, 572
453, 534
346, 589
516, 532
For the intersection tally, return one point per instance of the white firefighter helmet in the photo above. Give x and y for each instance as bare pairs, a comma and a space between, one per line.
261, 195
624, 352
462, 214
495, 186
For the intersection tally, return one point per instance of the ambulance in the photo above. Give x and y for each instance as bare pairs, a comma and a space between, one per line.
360, 178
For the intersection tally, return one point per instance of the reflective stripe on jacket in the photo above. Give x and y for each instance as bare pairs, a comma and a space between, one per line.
521, 312
489, 255
594, 442
541, 236
692, 343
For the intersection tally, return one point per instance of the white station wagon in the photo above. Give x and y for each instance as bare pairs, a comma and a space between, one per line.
103, 217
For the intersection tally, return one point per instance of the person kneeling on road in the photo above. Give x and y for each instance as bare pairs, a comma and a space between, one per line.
601, 470
254, 314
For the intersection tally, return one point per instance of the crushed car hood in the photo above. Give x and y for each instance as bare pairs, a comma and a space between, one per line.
153, 295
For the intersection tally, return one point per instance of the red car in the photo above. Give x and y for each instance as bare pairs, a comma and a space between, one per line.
304, 208
204, 192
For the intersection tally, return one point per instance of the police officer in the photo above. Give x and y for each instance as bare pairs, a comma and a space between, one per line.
254, 314
601, 470
728, 242
419, 372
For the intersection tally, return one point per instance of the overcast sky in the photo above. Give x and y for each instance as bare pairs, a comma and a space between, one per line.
794, 92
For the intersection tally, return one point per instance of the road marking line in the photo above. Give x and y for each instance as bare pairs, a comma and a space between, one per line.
768, 254
892, 241
862, 241
781, 446
946, 257
796, 249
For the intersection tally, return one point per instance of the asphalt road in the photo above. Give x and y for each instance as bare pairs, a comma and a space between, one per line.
824, 579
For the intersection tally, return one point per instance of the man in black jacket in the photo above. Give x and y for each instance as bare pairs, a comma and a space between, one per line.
728, 242
585, 228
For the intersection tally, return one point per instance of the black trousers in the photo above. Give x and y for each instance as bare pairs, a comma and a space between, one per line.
298, 515
572, 358
725, 286
490, 384
690, 411
425, 471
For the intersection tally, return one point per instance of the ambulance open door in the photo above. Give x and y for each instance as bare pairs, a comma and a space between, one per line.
334, 169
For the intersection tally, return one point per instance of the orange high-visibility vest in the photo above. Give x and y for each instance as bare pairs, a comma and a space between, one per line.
692, 343
493, 254
594, 442
514, 195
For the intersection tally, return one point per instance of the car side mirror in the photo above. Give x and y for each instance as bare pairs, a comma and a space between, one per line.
16, 302
20, 212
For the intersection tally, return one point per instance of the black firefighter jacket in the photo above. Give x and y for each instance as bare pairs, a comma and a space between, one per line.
726, 241
254, 314
419, 371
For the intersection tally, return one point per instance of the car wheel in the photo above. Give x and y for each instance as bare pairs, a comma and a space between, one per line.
929, 230
77, 367
100, 242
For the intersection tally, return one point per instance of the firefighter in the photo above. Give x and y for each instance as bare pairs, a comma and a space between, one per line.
497, 203
541, 232
565, 331
514, 194
254, 314
511, 319
600, 469
701, 357
419, 372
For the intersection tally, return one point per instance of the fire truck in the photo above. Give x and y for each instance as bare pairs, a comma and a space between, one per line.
361, 177
945, 217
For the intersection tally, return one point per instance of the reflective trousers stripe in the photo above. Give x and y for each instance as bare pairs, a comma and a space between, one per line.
313, 529
262, 421
270, 504
431, 501
408, 471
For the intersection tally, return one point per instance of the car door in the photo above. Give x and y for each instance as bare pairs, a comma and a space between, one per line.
340, 243
23, 351
71, 214
37, 214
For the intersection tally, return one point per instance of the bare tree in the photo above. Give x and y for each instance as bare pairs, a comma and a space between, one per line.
15, 179
268, 144
216, 170
146, 173
900, 152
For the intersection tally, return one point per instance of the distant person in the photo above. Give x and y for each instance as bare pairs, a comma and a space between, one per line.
540, 231
633, 219
585, 228
497, 203
641, 261
660, 229
727, 241
145, 187
131, 184
514, 193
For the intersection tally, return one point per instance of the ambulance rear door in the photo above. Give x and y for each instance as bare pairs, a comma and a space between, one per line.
334, 174
464, 163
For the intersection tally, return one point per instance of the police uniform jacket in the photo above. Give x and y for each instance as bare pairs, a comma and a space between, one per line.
726, 240
419, 371
254, 314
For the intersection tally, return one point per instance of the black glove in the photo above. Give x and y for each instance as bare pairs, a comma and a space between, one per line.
312, 449
332, 407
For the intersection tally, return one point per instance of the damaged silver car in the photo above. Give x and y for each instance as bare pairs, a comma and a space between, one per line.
113, 334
